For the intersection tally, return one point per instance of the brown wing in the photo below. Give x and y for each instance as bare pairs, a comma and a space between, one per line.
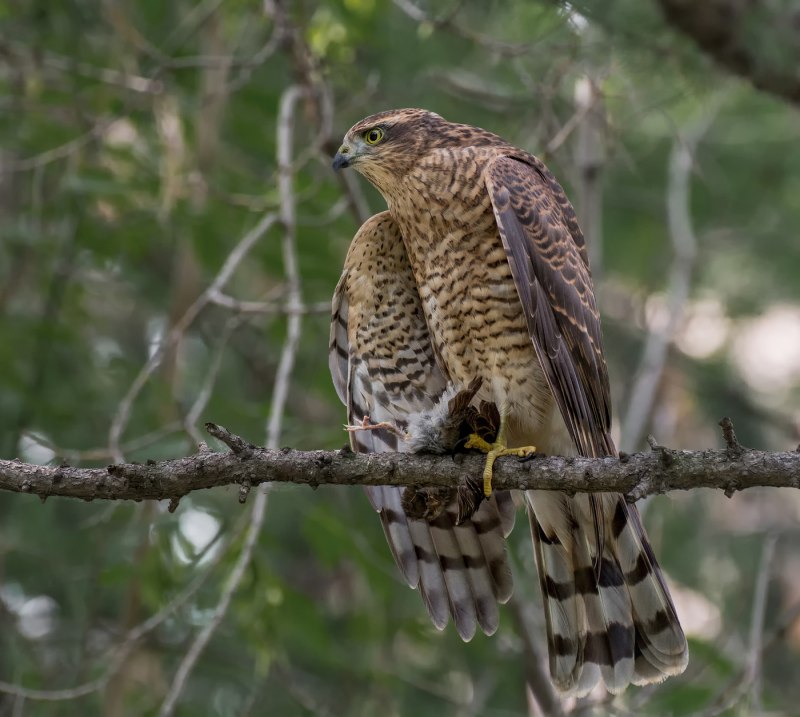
608, 610
548, 261
383, 365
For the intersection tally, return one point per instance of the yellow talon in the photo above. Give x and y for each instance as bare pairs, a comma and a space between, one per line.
493, 451
475, 441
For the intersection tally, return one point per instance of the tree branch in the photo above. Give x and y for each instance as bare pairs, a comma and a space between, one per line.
757, 40
660, 470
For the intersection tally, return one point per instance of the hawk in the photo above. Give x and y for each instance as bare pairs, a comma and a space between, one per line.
478, 271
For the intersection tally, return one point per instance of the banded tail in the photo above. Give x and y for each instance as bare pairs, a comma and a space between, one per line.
608, 616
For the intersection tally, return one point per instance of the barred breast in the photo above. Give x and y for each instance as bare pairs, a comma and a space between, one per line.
468, 295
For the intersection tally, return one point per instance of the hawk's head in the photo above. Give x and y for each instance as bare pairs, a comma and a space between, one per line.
384, 146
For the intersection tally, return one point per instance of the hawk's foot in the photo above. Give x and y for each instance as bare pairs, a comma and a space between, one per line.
367, 425
478, 443
494, 451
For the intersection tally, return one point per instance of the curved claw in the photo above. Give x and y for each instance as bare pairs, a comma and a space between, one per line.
493, 451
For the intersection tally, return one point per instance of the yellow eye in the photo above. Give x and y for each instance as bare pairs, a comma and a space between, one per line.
373, 136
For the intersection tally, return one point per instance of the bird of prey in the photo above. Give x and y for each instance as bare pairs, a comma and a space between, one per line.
479, 270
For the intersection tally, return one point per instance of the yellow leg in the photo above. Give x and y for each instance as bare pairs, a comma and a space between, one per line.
494, 450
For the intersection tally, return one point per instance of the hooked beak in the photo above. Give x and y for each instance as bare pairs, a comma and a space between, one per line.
342, 158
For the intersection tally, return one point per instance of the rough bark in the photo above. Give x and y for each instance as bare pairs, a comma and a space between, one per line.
637, 475
755, 39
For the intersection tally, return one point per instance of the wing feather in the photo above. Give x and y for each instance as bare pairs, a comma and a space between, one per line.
548, 261
383, 365
608, 610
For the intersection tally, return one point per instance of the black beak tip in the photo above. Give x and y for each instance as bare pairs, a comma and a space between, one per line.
340, 161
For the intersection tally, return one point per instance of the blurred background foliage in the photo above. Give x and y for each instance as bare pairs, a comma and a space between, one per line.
139, 144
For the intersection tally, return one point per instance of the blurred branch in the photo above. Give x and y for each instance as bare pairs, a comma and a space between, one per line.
657, 471
755, 652
204, 394
684, 246
288, 212
472, 87
269, 307
280, 391
590, 159
235, 258
299, 690
757, 40
587, 97
214, 293
72, 455
48, 60
256, 520
62, 151
44, 334
738, 685
447, 21
320, 106
116, 658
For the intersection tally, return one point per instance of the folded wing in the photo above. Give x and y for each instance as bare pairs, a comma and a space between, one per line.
383, 366
607, 607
